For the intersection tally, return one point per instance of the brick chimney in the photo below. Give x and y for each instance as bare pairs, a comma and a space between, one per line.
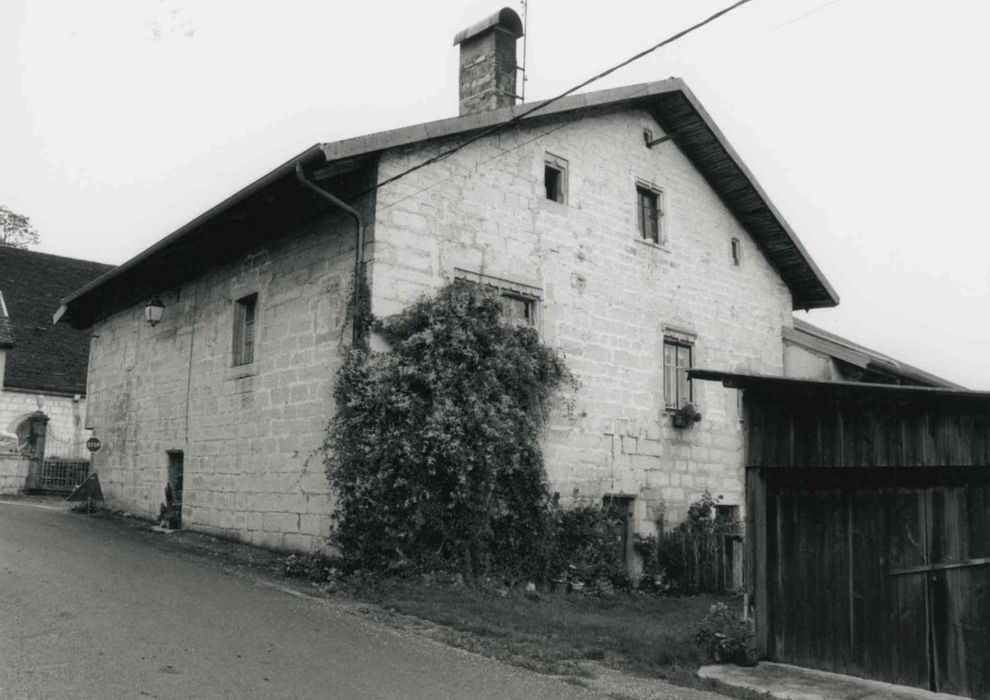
488, 62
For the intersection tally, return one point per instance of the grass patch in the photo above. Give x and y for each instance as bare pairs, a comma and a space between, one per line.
553, 633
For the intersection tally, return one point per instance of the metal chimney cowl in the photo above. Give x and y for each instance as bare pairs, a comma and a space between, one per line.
488, 62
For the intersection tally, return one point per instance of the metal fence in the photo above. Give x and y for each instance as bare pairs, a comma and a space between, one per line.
60, 467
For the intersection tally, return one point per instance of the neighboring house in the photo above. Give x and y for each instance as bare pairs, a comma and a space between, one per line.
42, 366
620, 223
813, 353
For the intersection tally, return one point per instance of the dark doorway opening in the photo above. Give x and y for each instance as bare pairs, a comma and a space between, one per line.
173, 489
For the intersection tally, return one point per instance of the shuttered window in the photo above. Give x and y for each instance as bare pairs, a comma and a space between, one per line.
676, 363
649, 211
244, 315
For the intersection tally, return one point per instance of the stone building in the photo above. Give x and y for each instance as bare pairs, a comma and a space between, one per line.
42, 367
620, 223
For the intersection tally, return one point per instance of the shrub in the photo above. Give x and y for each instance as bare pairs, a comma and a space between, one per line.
587, 546
723, 636
434, 452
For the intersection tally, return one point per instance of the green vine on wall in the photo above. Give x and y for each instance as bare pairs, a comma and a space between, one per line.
434, 452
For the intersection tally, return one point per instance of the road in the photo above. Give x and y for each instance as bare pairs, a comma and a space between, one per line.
89, 610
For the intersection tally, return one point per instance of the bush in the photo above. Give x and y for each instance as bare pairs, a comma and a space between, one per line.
434, 452
723, 636
587, 546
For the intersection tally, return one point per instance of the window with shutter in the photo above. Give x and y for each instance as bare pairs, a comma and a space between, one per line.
244, 322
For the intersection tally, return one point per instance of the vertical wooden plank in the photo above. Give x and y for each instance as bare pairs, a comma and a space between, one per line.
756, 560
906, 548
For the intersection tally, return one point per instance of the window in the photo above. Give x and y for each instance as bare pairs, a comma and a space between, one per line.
649, 212
521, 302
676, 363
519, 310
555, 178
244, 316
736, 251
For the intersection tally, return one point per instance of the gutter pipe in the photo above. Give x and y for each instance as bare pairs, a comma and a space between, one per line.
358, 254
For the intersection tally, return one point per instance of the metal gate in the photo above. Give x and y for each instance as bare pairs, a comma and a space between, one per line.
56, 465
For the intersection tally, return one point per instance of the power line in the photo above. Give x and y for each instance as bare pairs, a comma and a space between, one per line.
802, 16
546, 103
477, 166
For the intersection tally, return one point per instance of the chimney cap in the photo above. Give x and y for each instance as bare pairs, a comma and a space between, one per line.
505, 19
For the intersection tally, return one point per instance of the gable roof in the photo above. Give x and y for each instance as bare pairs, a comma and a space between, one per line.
670, 102
6, 332
881, 366
40, 355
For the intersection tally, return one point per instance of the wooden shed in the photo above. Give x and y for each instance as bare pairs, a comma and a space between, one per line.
868, 529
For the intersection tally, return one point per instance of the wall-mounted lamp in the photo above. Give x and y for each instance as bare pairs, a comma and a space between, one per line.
153, 311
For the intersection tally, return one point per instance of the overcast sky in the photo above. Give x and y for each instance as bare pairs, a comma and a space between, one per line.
866, 121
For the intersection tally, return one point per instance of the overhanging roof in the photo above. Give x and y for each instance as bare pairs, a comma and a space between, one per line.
788, 385
670, 102
816, 339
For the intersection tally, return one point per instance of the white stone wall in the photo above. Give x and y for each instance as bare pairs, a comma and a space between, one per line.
802, 363
13, 473
250, 435
65, 413
607, 295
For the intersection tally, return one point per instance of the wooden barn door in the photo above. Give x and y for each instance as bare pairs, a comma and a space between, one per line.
880, 579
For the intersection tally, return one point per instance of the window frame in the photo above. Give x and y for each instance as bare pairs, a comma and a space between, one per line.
560, 166
244, 341
672, 399
658, 213
509, 289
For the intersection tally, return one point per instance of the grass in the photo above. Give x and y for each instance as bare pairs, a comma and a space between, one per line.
644, 634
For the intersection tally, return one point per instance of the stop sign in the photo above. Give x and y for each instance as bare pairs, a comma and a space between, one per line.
93, 444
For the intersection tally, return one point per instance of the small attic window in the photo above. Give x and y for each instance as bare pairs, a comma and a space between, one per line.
555, 178
736, 252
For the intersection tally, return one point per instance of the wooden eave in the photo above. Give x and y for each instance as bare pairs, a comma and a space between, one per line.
231, 227
769, 386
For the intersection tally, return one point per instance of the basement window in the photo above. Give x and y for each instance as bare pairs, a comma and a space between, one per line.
244, 318
649, 213
555, 178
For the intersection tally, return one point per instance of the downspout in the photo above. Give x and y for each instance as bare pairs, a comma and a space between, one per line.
358, 254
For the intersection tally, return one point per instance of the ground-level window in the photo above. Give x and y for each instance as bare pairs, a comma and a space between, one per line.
244, 316
677, 389
649, 213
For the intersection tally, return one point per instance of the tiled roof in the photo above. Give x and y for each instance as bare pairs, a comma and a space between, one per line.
230, 226
6, 332
41, 355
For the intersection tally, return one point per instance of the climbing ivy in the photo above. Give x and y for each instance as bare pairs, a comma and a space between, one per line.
434, 451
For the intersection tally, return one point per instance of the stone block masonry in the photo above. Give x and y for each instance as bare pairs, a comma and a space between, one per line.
608, 296
250, 434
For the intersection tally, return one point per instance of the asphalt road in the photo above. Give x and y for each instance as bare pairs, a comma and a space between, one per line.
88, 610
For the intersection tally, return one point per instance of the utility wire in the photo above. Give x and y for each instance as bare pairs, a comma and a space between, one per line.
546, 103
476, 167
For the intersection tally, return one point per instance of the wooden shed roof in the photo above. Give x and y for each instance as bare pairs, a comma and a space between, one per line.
670, 102
769, 385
